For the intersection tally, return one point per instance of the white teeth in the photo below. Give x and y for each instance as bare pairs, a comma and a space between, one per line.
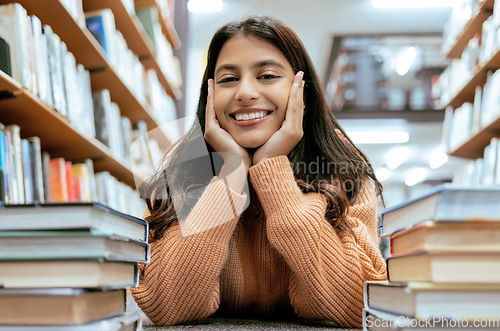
250, 116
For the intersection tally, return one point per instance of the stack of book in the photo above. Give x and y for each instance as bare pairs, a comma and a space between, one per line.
68, 266
444, 268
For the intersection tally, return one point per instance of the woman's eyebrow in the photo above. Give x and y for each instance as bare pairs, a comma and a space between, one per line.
268, 62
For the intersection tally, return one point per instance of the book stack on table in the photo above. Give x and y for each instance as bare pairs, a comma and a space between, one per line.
444, 268
68, 266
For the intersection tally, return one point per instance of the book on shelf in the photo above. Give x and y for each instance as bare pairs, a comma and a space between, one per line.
59, 306
29, 192
79, 215
36, 168
445, 267
58, 183
5, 65
5, 165
443, 203
446, 236
13, 30
101, 24
70, 244
429, 300
54, 50
13, 133
68, 273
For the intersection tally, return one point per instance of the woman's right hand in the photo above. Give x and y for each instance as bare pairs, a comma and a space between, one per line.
220, 140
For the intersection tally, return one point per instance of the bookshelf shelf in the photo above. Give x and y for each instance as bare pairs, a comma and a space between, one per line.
88, 52
474, 146
472, 27
35, 118
135, 35
167, 26
466, 94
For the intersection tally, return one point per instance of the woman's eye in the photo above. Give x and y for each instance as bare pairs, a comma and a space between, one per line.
269, 76
227, 80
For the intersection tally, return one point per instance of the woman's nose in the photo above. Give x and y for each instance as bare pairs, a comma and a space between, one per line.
247, 90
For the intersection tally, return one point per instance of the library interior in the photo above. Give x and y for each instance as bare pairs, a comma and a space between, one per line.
97, 96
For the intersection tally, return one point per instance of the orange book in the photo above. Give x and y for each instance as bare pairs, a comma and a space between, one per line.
80, 174
57, 179
73, 185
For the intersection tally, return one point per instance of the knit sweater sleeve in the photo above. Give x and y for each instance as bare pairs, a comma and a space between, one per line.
181, 282
328, 268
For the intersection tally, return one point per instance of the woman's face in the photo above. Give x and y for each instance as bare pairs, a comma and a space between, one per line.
252, 85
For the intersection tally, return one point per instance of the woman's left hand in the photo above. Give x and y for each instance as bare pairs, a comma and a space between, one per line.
290, 133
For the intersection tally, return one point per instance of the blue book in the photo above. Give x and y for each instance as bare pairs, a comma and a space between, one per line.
101, 25
29, 196
444, 203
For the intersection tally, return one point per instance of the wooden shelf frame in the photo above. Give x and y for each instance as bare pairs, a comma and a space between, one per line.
473, 26
137, 39
57, 135
167, 26
466, 93
473, 148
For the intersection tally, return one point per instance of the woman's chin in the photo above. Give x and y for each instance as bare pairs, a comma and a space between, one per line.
252, 144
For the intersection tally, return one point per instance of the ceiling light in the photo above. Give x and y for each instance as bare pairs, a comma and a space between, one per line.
437, 160
398, 157
379, 137
382, 174
413, 3
405, 60
205, 6
416, 176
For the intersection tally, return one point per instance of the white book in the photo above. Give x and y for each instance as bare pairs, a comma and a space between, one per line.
101, 24
92, 181
40, 59
13, 30
55, 69
37, 168
47, 97
85, 92
73, 97
17, 163
115, 131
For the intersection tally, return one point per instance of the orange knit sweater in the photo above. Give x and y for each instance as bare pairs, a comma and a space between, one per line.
290, 259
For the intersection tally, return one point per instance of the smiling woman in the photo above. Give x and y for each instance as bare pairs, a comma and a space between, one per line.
309, 237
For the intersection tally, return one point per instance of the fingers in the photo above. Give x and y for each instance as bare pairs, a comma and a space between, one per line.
209, 110
295, 108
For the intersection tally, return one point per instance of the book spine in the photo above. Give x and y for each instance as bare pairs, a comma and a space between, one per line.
58, 181
37, 168
27, 171
46, 174
17, 162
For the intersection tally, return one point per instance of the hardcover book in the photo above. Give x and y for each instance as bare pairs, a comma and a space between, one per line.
429, 300
58, 306
445, 267
444, 203
70, 244
81, 215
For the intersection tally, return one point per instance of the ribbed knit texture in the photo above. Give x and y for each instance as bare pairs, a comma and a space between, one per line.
291, 258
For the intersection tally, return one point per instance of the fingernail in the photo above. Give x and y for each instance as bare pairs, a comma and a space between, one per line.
303, 83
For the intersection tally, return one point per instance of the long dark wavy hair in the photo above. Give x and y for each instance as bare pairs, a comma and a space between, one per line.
340, 167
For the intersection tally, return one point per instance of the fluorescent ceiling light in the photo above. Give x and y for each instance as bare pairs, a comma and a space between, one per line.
379, 137
382, 174
398, 157
437, 160
414, 3
416, 176
405, 60
205, 6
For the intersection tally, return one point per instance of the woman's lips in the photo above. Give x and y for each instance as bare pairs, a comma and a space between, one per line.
251, 122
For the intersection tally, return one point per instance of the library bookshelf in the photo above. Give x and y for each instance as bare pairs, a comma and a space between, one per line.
58, 136
474, 146
472, 27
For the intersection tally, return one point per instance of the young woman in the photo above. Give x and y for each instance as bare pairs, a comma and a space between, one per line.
309, 237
